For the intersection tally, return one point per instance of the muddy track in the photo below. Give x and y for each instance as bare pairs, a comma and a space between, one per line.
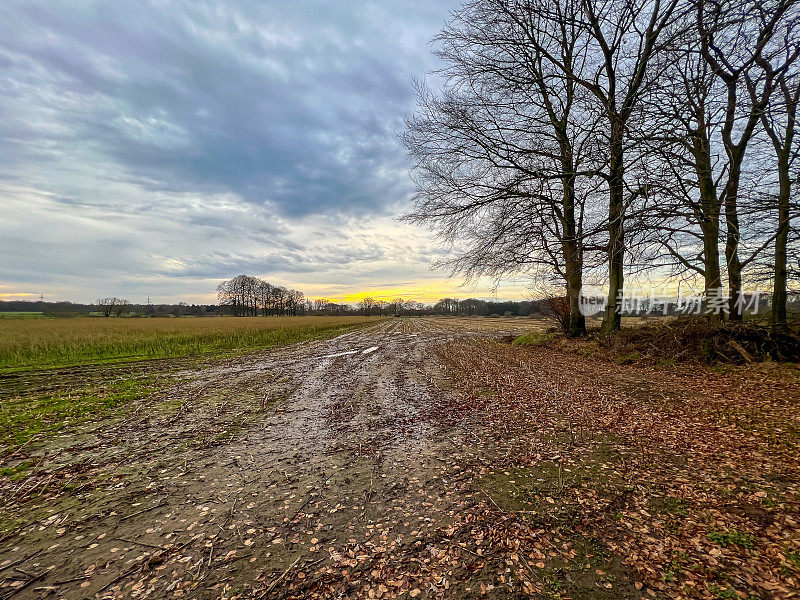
335, 480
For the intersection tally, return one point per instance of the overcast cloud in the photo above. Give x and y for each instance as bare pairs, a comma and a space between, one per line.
154, 148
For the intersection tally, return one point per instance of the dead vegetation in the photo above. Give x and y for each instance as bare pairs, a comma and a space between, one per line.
680, 340
634, 481
441, 465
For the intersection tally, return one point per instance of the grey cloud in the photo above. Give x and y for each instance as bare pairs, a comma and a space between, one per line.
294, 103
160, 146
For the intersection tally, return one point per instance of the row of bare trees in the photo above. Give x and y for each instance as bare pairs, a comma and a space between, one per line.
396, 307
113, 306
575, 139
252, 296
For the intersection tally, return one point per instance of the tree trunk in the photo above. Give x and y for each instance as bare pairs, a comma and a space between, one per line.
712, 273
616, 233
709, 224
779, 289
573, 272
732, 237
570, 245
577, 321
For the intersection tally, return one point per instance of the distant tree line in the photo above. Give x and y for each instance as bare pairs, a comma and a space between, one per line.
106, 308
116, 307
400, 307
369, 306
578, 140
485, 308
395, 307
323, 306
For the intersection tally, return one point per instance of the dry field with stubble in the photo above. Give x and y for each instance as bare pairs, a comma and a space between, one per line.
26, 343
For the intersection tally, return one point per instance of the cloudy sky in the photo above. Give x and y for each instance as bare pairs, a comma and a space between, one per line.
156, 148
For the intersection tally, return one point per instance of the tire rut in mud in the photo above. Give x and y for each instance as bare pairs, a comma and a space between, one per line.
346, 467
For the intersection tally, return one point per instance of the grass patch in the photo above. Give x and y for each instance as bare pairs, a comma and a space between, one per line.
21, 315
670, 506
628, 359
793, 556
535, 338
731, 537
540, 486
47, 343
16, 471
22, 418
592, 571
8, 524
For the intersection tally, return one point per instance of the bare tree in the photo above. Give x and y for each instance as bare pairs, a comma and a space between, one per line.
747, 44
397, 305
779, 121
682, 116
703, 121
106, 305
653, 105
504, 156
625, 39
447, 306
122, 307
264, 291
366, 305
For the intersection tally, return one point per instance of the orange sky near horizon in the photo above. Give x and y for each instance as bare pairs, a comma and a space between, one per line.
427, 292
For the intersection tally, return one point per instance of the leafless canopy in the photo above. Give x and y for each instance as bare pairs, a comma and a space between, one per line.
563, 135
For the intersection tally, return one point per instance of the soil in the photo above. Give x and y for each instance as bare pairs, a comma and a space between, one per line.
313, 469
414, 458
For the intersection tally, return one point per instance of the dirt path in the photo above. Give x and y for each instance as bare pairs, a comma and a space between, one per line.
310, 470
410, 459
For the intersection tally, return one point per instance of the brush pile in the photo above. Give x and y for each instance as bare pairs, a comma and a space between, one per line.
698, 340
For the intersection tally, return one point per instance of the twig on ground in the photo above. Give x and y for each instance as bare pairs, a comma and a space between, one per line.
497, 506
21, 560
279, 579
21, 446
17, 590
72, 580
121, 576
